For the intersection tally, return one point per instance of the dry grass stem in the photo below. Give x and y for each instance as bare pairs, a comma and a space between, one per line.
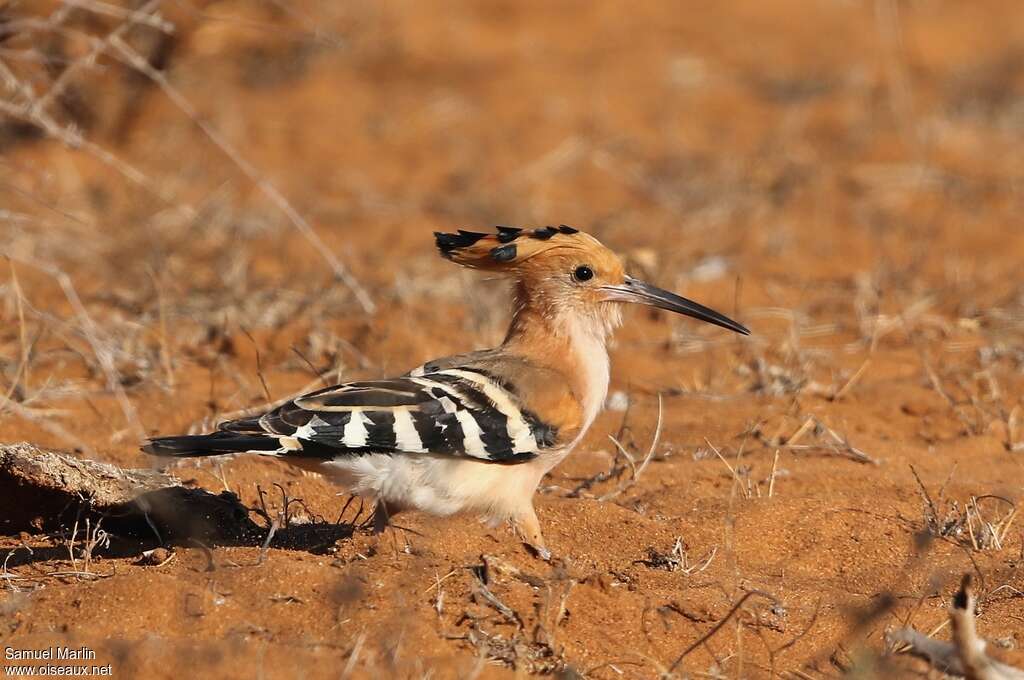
269, 190
636, 471
100, 349
854, 379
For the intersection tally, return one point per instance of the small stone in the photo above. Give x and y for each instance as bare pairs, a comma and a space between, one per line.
916, 408
618, 401
154, 557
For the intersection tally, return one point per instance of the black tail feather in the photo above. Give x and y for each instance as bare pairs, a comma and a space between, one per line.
216, 444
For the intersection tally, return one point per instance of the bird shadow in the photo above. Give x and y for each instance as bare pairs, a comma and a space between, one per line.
183, 517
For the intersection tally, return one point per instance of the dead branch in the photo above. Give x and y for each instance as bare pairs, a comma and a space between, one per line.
44, 490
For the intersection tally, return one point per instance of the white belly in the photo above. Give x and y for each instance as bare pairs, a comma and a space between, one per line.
438, 485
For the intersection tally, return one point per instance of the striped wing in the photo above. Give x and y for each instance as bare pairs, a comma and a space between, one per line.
455, 411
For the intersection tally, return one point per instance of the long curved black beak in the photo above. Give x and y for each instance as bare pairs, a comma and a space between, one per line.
634, 290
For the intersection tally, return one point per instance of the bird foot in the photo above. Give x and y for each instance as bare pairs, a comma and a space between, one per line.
528, 529
538, 551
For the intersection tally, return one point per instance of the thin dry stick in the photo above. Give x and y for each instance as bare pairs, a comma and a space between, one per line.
326, 383
813, 424
934, 520
21, 373
269, 190
138, 16
75, 219
635, 470
353, 657
1014, 439
92, 334
718, 626
50, 426
732, 470
933, 378
854, 379
439, 581
22, 331
244, 412
265, 548
849, 448
259, 364
165, 345
625, 454
654, 442
102, 354
71, 138
771, 477
41, 104
807, 426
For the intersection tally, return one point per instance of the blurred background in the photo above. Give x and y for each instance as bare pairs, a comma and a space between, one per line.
206, 206
196, 168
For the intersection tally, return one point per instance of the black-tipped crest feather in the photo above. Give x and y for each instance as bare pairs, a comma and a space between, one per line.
508, 234
509, 245
446, 243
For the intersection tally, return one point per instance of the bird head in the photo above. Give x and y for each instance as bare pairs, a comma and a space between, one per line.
561, 269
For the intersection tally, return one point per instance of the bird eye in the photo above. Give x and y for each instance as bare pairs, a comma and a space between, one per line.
583, 273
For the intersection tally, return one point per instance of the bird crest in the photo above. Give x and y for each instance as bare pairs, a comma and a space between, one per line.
510, 246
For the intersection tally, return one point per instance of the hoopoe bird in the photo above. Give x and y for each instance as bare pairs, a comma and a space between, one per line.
477, 431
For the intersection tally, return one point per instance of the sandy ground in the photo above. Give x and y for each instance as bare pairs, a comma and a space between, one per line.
844, 178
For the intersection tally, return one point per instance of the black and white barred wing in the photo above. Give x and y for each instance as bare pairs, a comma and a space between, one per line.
458, 412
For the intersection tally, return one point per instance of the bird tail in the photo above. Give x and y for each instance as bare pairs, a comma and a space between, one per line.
216, 444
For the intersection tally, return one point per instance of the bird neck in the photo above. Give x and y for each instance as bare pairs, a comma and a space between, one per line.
569, 340
546, 326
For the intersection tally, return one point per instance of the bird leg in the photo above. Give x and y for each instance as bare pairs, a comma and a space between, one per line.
527, 526
381, 518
